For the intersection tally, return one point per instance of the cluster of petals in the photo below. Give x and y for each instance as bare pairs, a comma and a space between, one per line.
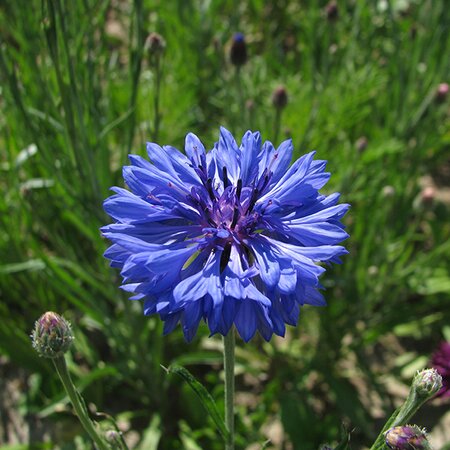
230, 236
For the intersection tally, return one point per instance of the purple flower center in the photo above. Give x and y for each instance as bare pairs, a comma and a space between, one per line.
228, 212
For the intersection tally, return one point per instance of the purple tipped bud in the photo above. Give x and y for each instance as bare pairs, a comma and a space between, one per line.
427, 382
428, 195
238, 50
361, 143
409, 437
442, 92
114, 438
331, 10
155, 44
279, 97
52, 335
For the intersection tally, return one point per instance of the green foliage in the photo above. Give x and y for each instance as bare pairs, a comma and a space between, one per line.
77, 94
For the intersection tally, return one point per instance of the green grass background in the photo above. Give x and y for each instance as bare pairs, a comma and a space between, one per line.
77, 94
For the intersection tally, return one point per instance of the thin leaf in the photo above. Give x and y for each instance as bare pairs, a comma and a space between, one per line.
30, 265
205, 397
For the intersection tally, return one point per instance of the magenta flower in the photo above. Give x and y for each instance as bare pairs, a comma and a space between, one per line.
441, 362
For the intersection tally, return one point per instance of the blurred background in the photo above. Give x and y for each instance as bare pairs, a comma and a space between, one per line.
82, 84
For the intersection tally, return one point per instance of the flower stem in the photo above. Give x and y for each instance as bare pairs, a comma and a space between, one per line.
77, 402
157, 89
400, 417
228, 360
277, 124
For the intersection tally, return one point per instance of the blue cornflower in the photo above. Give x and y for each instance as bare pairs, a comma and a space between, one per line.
231, 236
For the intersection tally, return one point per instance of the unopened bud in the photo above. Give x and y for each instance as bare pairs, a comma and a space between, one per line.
279, 97
408, 437
361, 143
427, 382
442, 92
250, 104
388, 191
52, 335
155, 44
332, 11
428, 195
238, 50
114, 438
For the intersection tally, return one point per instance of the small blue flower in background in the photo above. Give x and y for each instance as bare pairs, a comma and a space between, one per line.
231, 236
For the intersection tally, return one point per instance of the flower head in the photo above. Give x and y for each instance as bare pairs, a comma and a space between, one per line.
408, 437
52, 335
231, 236
441, 362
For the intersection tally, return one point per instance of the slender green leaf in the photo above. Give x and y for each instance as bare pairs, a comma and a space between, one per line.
204, 396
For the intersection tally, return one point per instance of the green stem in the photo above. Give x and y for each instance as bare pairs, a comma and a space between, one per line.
277, 125
400, 417
157, 88
240, 98
228, 360
77, 402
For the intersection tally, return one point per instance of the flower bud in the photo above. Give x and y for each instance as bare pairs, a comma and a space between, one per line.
155, 44
238, 50
408, 437
331, 10
52, 335
428, 195
250, 104
361, 143
388, 191
427, 382
114, 438
279, 97
442, 92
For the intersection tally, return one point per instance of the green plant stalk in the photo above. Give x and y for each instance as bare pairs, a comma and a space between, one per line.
400, 417
240, 96
77, 402
157, 88
277, 124
228, 361
135, 66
